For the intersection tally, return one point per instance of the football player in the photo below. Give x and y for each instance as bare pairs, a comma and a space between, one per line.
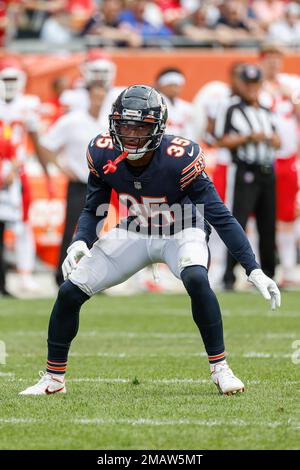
10, 198
280, 93
68, 137
162, 181
170, 83
19, 119
99, 67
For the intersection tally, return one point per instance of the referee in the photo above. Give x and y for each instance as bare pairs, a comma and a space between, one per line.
247, 129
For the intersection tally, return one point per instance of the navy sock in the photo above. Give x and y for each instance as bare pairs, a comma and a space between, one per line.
63, 325
206, 311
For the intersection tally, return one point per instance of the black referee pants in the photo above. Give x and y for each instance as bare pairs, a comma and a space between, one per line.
254, 193
76, 194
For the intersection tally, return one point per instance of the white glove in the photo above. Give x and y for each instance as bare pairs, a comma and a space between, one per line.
75, 252
266, 286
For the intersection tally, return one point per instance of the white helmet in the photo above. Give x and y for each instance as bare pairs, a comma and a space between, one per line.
12, 79
99, 67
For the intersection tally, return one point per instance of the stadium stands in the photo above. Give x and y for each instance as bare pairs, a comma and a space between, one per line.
144, 23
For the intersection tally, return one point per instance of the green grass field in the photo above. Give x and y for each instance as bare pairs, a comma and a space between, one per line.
139, 379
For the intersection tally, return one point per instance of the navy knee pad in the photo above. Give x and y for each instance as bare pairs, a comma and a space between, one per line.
70, 294
195, 280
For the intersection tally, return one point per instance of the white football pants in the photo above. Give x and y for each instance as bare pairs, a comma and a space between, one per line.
119, 254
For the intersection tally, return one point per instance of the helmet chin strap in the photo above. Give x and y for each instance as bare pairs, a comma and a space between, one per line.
137, 156
134, 156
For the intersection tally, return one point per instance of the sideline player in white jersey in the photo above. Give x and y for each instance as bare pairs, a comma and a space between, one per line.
64, 144
279, 92
96, 67
170, 83
10, 199
207, 102
210, 103
19, 119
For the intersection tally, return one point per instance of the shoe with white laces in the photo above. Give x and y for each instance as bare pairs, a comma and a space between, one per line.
223, 377
47, 385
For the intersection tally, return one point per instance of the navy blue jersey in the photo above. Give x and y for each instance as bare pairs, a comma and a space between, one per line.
175, 175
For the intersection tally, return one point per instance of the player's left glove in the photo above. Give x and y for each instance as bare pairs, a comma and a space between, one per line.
266, 286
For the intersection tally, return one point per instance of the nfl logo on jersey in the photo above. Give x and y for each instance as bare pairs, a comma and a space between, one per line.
138, 185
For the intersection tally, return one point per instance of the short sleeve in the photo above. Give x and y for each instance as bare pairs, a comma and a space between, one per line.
57, 135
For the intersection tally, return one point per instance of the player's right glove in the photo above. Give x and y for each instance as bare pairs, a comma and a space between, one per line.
75, 252
266, 286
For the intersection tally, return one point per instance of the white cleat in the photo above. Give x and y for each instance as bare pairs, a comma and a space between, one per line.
47, 385
223, 377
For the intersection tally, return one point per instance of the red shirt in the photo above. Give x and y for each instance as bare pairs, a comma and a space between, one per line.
7, 152
7, 149
3, 7
84, 6
168, 4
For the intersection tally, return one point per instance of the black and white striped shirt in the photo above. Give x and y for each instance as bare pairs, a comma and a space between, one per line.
238, 117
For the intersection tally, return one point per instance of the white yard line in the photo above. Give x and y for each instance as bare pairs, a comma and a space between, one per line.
161, 381
100, 379
155, 334
184, 422
263, 355
262, 311
157, 422
19, 420
175, 380
124, 355
116, 334
274, 335
153, 381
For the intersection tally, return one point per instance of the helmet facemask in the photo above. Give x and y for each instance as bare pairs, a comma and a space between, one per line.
12, 83
101, 70
146, 138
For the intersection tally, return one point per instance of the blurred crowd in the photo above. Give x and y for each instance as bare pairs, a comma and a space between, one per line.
138, 23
